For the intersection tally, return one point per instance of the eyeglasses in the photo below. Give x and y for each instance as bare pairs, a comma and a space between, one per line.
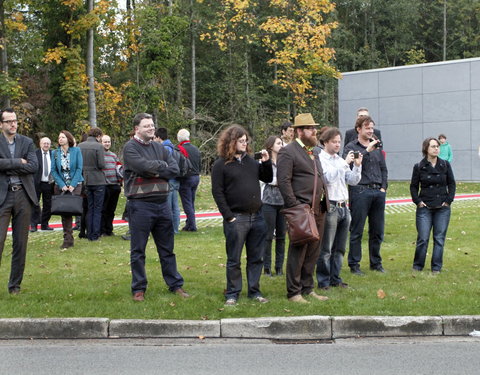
243, 141
10, 122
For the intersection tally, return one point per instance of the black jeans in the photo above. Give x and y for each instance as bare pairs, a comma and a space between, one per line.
112, 192
249, 230
366, 202
276, 228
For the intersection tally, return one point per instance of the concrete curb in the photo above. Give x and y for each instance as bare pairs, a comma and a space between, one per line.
276, 328
61, 328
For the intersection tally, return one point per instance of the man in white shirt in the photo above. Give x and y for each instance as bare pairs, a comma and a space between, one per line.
337, 174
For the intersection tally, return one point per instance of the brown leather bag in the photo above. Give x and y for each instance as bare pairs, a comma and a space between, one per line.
302, 226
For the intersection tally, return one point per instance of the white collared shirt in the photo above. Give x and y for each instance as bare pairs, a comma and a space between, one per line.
337, 174
47, 167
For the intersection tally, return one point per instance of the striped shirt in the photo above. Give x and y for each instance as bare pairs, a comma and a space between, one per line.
110, 170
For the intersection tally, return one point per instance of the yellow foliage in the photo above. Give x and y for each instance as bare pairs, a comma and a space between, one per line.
73, 4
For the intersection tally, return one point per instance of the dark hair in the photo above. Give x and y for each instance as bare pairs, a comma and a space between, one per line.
161, 133
328, 134
361, 121
285, 125
71, 140
426, 144
270, 142
95, 132
227, 142
9, 110
139, 117
442, 136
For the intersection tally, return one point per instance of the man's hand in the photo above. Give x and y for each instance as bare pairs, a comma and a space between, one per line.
371, 145
24, 161
265, 156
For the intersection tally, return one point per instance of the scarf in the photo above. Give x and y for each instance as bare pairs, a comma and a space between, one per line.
182, 149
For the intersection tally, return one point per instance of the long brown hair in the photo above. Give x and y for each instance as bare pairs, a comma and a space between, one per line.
227, 142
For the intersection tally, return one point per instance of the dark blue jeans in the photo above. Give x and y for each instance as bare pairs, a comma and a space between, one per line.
428, 219
155, 218
188, 189
173, 203
276, 227
366, 202
95, 196
332, 250
249, 230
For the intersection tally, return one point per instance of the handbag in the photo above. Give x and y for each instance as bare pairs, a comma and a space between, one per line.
67, 204
302, 226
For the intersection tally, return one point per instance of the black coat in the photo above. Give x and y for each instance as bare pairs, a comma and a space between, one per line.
436, 184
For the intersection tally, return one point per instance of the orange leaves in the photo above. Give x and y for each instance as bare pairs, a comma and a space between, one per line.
381, 294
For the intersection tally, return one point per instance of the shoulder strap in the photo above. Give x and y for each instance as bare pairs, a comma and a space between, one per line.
314, 183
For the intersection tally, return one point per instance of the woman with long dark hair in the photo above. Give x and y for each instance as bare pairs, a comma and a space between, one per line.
272, 204
236, 190
433, 189
67, 173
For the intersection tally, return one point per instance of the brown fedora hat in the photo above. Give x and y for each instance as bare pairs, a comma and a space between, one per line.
304, 119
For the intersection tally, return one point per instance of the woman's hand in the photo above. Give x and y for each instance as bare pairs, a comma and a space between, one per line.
65, 188
421, 204
71, 189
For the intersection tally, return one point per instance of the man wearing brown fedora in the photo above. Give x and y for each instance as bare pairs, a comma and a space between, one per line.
296, 174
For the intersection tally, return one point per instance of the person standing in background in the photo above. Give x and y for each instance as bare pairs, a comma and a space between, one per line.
445, 149
43, 186
189, 183
113, 175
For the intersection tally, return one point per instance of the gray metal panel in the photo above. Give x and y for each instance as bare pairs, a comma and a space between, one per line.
448, 106
462, 165
400, 110
400, 82
475, 157
400, 165
475, 97
402, 138
358, 86
475, 75
457, 132
474, 135
448, 77
348, 112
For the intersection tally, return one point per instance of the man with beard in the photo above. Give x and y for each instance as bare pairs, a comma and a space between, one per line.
296, 174
367, 199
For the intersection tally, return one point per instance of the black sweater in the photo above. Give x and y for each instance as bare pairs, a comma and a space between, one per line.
236, 187
436, 184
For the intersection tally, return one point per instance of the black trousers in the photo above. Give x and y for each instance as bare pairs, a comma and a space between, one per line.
18, 207
112, 192
42, 216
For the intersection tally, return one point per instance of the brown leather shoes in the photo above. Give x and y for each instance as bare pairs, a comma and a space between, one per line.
298, 298
139, 296
181, 293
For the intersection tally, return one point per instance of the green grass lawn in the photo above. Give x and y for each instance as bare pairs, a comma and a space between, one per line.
93, 280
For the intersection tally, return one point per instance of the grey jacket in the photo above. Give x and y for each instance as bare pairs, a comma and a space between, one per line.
93, 155
13, 166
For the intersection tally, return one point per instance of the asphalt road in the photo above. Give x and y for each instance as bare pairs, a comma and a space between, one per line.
366, 356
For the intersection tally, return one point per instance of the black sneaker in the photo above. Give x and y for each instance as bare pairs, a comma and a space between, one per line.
357, 271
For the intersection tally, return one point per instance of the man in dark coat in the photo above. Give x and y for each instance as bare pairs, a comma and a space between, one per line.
296, 174
18, 163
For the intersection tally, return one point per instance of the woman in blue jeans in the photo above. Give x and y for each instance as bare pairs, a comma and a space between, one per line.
272, 204
433, 189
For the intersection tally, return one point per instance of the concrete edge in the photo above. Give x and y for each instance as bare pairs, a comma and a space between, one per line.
315, 327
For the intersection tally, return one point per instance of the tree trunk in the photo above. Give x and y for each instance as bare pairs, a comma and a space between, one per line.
194, 72
92, 108
5, 100
170, 7
444, 30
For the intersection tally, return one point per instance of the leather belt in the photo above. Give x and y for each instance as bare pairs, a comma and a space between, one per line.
372, 186
15, 187
338, 204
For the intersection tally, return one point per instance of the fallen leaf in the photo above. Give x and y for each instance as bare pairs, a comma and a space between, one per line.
381, 294
403, 298
201, 337
173, 304
221, 265
287, 310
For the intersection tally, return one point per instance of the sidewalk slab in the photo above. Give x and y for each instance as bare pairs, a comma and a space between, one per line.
54, 328
293, 328
386, 326
164, 328
460, 325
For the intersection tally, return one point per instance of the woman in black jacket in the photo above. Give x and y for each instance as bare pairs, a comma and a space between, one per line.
434, 178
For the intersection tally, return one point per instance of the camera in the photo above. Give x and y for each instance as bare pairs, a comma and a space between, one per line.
378, 144
258, 155
356, 154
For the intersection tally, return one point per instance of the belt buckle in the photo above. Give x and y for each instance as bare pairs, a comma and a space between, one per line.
15, 187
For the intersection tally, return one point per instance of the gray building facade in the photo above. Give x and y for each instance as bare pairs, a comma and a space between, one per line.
411, 103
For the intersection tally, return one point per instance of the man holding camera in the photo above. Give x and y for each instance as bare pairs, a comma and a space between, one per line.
367, 199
